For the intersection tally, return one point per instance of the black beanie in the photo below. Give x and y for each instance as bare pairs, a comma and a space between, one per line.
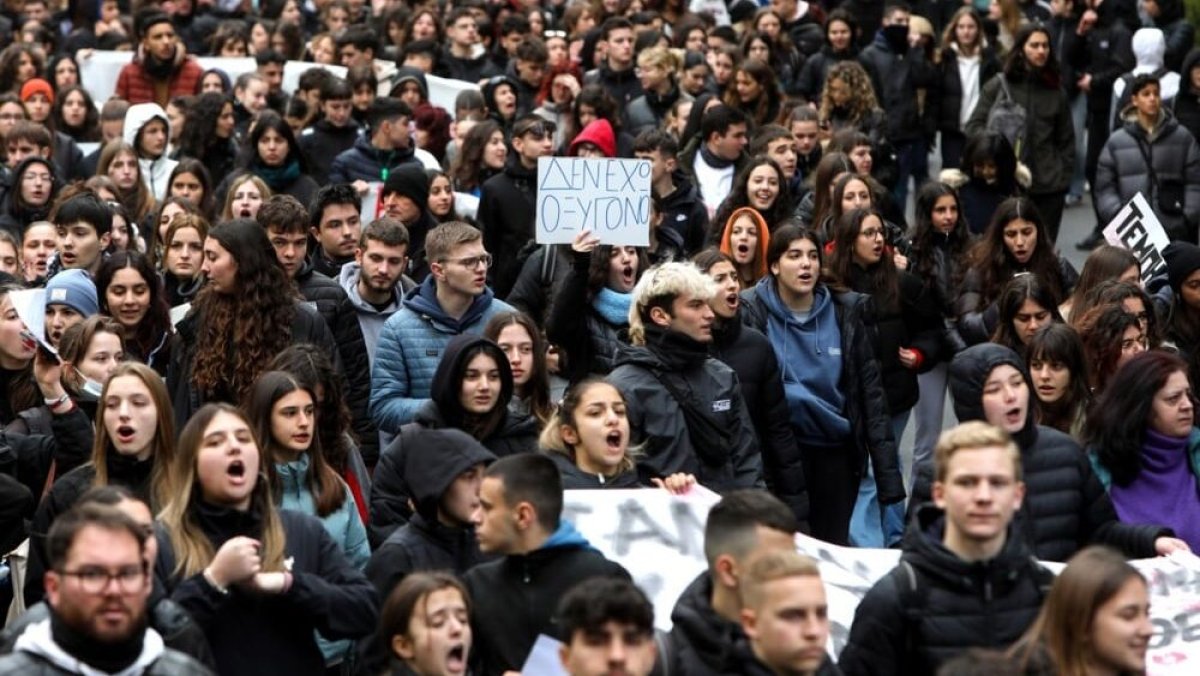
1183, 258
411, 182
145, 20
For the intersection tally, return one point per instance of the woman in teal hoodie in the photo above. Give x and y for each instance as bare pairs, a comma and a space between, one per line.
283, 414
831, 380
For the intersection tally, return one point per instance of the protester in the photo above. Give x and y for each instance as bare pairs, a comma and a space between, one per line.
782, 589
1058, 367
607, 626
426, 624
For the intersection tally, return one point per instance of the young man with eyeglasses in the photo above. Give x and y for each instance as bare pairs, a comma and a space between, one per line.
453, 299
97, 589
508, 200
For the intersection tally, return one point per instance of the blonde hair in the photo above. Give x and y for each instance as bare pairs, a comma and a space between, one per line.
162, 457
971, 436
772, 566
660, 56
263, 189
659, 287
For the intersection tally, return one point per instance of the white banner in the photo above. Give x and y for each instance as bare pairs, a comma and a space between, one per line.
608, 197
1136, 227
659, 539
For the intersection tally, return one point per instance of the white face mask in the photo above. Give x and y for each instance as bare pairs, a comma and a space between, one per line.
91, 389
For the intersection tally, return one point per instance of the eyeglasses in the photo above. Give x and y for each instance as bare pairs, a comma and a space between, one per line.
129, 579
471, 262
871, 233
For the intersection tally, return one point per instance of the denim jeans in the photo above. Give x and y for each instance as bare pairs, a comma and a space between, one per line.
871, 524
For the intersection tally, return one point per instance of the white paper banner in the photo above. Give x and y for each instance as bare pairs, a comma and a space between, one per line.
1136, 227
659, 539
30, 305
609, 197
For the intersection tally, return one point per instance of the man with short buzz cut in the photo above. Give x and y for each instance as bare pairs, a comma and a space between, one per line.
966, 578
706, 634
719, 156
541, 557
616, 73
453, 299
375, 281
684, 405
335, 226
607, 625
97, 588
161, 68
331, 135
286, 223
785, 616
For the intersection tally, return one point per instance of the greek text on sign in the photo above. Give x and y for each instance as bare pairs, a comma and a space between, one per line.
1136, 227
608, 197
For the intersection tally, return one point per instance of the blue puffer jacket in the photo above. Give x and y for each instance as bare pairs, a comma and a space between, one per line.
343, 525
410, 347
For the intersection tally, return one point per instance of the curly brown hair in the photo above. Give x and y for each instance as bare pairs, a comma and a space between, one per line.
241, 332
862, 93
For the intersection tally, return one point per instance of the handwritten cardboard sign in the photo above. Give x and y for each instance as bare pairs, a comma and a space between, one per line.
1137, 228
609, 197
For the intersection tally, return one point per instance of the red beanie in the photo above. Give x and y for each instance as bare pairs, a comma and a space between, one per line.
36, 86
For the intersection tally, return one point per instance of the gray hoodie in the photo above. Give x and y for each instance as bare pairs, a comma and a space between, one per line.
370, 318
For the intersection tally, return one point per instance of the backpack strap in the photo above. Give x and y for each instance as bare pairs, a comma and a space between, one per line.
913, 603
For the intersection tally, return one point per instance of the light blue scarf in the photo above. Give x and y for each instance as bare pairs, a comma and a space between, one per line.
613, 306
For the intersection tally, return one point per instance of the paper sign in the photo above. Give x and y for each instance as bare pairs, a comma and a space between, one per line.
1137, 228
659, 539
372, 203
443, 92
543, 658
30, 305
609, 197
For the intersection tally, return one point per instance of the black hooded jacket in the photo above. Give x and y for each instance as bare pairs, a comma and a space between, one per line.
1065, 507
623, 85
701, 641
1187, 101
684, 212
935, 605
390, 488
322, 142
432, 463
507, 204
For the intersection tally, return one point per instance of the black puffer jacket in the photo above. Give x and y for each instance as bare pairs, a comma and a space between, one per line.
703, 643
896, 78
1049, 146
542, 274
866, 403
575, 478
307, 327
624, 86
934, 605
657, 419
748, 352
321, 143
684, 212
390, 488
1134, 160
949, 91
28, 458
507, 204
515, 598
977, 321
941, 277
1065, 508
330, 299
327, 595
590, 341
434, 461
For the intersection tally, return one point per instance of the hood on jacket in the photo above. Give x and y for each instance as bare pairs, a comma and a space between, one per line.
434, 459
970, 370
764, 238
566, 535
716, 640
1192, 60
923, 548
600, 134
348, 279
38, 640
409, 74
423, 300
1149, 48
447, 379
138, 116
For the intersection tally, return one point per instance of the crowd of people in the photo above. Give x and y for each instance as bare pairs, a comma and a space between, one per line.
265, 431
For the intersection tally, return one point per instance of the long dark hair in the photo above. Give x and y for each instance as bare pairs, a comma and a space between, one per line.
1012, 297
156, 325
537, 390
995, 263
881, 280
1115, 292
1102, 330
1058, 343
193, 166
990, 146
328, 491
479, 426
314, 371
925, 236
268, 120
257, 318
1116, 427
1016, 67
468, 171
90, 131
199, 135
739, 196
